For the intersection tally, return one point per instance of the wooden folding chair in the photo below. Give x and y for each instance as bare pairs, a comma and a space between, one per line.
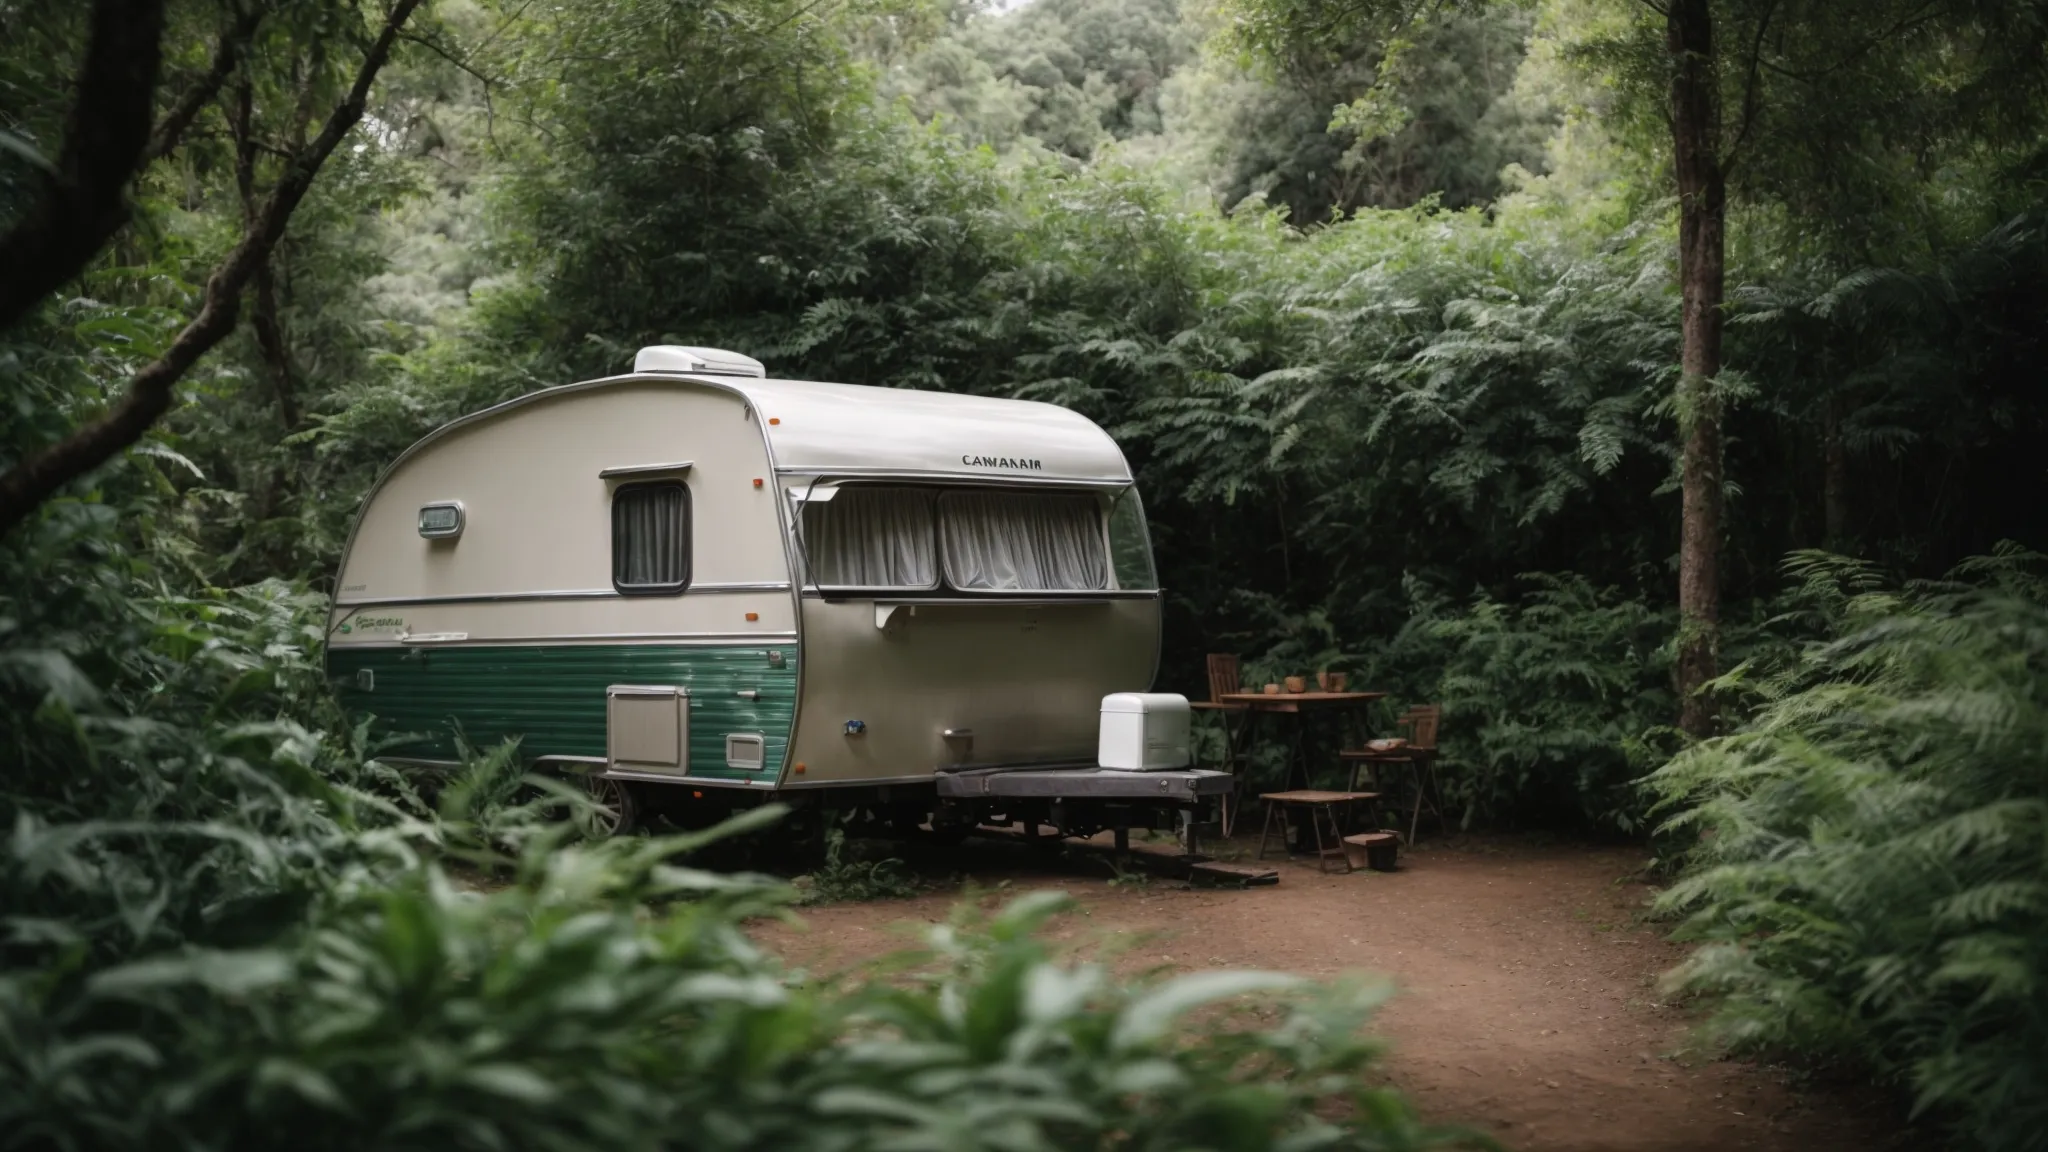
1223, 680
1417, 754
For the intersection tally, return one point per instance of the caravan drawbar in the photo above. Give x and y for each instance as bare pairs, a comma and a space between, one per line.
700, 588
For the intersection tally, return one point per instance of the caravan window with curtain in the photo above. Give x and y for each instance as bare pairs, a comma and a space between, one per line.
651, 537
872, 538
996, 541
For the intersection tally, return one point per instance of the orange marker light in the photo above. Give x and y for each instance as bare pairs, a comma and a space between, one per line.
696, 795
757, 481
775, 419
753, 615
799, 767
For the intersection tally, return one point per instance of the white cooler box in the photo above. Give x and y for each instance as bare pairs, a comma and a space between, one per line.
1144, 731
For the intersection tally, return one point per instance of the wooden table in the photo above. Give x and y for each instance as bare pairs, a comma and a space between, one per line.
1256, 704
1293, 703
1298, 701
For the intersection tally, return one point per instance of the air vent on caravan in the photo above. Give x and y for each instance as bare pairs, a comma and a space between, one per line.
696, 361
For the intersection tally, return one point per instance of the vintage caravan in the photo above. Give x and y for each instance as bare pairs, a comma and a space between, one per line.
699, 588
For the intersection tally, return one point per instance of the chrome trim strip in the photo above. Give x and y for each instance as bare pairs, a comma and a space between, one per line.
792, 559
687, 781
972, 478
877, 782
645, 777
562, 594
630, 470
1038, 598
675, 639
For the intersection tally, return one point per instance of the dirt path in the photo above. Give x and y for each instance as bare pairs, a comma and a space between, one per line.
1527, 995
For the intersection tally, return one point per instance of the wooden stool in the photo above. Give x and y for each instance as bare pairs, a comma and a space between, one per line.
1322, 812
1380, 849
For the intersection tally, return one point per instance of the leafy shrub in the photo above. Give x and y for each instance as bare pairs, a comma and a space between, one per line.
222, 928
1868, 874
1553, 704
609, 998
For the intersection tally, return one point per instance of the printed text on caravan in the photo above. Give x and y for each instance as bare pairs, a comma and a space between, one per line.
1002, 462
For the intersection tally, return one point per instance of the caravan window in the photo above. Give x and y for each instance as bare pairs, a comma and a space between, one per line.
1023, 541
651, 537
1130, 544
872, 538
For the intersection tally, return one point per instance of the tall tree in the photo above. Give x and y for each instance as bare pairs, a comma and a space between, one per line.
1821, 90
1698, 162
149, 394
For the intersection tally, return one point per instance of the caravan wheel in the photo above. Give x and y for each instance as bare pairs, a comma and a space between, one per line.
617, 812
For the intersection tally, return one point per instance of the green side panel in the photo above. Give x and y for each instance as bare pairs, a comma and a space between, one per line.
554, 698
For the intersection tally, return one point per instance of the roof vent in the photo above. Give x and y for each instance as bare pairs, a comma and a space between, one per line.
696, 361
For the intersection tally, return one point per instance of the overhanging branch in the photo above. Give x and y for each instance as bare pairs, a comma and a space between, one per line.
171, 129
149, 395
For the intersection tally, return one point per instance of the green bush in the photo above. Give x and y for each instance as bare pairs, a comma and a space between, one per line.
607, 998
1553, 704
223, 928
1868, 874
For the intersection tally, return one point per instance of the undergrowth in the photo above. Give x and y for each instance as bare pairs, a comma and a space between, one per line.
846, 876
223, 925
1867, 881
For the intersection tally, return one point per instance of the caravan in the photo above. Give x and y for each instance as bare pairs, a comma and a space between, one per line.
696, 584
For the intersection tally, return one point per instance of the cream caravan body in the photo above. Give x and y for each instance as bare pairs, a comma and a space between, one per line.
695, 575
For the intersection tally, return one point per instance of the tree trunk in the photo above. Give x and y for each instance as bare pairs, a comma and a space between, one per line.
78, 204
1696, 139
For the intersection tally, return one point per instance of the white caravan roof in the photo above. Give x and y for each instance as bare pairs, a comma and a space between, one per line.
853, 429
858, 430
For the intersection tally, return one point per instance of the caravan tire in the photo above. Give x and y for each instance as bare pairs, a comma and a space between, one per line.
618, 812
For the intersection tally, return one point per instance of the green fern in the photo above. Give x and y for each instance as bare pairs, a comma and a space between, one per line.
1868, 873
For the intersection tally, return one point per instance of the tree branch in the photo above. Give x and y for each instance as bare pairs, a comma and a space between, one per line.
1924, 14
83, 201
268, 327
490, 110
149, 395
1752, 90
171, 129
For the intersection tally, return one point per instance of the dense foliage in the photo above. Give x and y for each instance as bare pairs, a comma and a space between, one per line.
220, 927
1869, 864
1388, 328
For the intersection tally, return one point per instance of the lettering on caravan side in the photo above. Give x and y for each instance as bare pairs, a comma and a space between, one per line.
1002, 462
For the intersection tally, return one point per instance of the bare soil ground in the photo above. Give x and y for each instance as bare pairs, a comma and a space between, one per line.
1527, 997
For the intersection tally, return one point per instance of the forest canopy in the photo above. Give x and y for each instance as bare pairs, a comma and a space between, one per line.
1656, 385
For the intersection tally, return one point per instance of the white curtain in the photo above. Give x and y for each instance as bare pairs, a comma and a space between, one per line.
871, 538
648, 530
1022, 541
